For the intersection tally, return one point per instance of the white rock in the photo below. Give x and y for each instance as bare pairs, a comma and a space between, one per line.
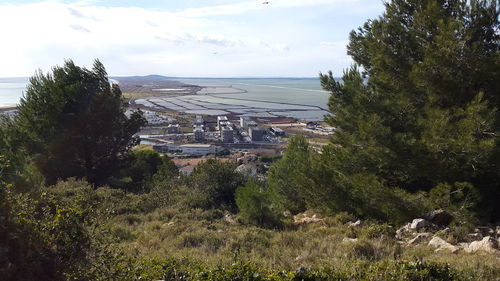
441, 245
488, 244
418, 224
437, 242
349, 240
355, 224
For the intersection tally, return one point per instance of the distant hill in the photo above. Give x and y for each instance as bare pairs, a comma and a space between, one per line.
151, 84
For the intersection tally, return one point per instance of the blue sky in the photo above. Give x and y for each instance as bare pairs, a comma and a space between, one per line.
202, 38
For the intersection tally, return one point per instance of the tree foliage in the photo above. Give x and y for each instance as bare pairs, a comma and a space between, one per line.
140, 168
419, 108
255, 205
73, 120
215, 183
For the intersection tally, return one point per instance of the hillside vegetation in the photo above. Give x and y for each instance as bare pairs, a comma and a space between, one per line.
407, 188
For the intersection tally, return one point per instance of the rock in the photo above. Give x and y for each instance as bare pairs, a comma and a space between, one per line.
301, 219
441, 245
449, 247
418, 224
440, 217
488, 244
400, 232
485, 231
229, 219
349, 240
357, 223
419, 238
437, 242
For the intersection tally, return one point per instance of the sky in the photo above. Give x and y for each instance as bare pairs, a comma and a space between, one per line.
182, 38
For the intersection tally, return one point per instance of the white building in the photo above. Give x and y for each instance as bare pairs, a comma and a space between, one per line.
199, 133
173, 129
189, 149
221, 119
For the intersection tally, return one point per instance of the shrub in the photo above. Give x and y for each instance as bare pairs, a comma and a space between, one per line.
255, 206
214, 184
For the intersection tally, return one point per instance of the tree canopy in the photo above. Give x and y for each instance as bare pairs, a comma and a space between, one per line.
419, 107
73, 120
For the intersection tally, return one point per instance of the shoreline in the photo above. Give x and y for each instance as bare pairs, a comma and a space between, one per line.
4, 108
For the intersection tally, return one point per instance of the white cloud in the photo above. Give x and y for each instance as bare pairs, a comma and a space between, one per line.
247, 6
132, 40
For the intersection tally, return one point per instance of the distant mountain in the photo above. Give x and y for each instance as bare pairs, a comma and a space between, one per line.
151, 77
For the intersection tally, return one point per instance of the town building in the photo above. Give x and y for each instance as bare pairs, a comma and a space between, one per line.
173, 129
188, 149
243, 121
153, 118
277, 131
256, 133
251, 124
199, 133
227, 134
221, 120
199, 121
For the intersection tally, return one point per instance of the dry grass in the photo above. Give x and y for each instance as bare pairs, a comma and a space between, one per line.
209, 238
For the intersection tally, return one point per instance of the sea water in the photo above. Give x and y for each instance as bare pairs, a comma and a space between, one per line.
11, 90
271, 93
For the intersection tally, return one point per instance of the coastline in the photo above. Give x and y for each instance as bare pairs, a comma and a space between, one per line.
9, 107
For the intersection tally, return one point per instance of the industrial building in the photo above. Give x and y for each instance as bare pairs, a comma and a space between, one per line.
256, 133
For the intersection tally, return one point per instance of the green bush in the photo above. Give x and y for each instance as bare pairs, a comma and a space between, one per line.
254, 204
213, 184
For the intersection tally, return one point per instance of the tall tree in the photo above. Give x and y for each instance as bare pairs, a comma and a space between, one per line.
74, 121
419, 108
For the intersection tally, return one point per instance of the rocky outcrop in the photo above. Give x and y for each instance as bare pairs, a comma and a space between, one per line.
357, 223
487, 244
304, 218
441, 245
483, 239
418, 224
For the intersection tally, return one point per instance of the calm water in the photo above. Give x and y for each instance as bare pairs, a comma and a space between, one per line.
301, 98
289, 96
11, 90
